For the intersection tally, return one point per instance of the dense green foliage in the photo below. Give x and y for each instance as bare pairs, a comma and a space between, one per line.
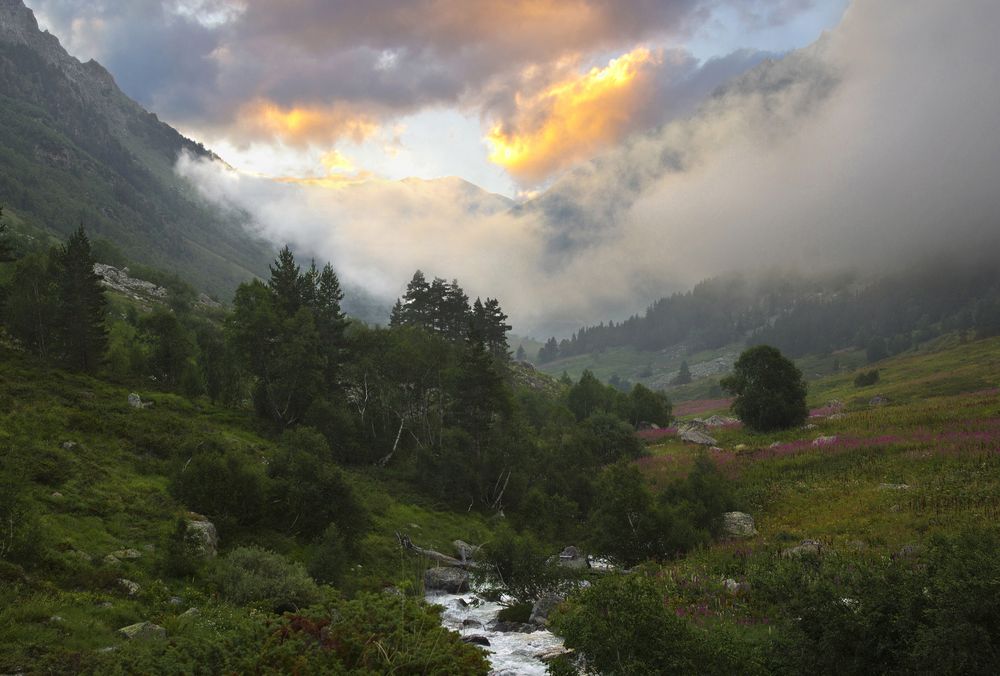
769, 389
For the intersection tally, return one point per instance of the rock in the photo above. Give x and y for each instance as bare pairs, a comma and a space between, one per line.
570, 557
143, 631
909, 552
203, 532
553, 653
191, 612
740, 447
476, 639
464, 551
775, 444
175, 600
694, 436
127, 554
56, 495
734, 587
824, 441
720, 421
68, 445
471, 624
56, 619
543, 606
894, 487
451, 580
393, 590
134, 400
738, 525
837, 416
878, 400
810, 426
807, 548
111, 560
129, 587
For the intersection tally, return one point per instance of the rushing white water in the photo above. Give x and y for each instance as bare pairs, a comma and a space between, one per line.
509, 652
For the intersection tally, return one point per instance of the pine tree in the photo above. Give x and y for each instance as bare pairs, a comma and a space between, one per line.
330, 320
549, 351
82, 334
287, 282
521, 354
496, 328
683, 375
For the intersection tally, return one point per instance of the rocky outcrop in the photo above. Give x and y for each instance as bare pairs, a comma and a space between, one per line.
464, 551
128, 586
806, 548
203, 532
738, 525
543, 606
143, 631
446, 579
571, 557
693, 435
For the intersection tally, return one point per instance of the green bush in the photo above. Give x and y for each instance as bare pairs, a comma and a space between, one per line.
866, 378
622, 625
372, 634
770, 391
228, 487
518, 565
255, 576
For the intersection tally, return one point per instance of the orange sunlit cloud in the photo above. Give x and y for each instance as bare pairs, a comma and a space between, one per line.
572, 119
303, 125
340, 173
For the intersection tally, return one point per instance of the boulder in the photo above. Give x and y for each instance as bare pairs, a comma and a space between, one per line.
543, 606
695, 436
464, 551
807, 548
68, 445
734, 587
553, 653
738, 525
471, 624
191, 612
775, 444
203, 532
451, 580
134, 400
128, 586
122, 554
824, 441
111, 560
476, 639
143, 631
571, 557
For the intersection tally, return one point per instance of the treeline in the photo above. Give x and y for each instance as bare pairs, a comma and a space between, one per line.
808, 316
429, 398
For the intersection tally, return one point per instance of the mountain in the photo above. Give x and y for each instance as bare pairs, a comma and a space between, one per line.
75, 149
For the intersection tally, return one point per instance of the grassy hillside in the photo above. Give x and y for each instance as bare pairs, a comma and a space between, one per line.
85, 475
877, 528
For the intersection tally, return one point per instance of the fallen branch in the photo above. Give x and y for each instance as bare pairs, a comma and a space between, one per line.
443, 559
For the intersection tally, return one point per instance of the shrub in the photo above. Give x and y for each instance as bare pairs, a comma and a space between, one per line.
623, 625
372, 634
518, 565
227, 487
866, 378
770, 391
330, 556
251, 575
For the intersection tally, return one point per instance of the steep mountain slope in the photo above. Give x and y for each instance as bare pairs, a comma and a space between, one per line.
75, 149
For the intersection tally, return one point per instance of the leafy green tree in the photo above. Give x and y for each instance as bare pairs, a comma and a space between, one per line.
645, 405
31, 304
173, 348
588, 396
770, 391
81, 305
624, 523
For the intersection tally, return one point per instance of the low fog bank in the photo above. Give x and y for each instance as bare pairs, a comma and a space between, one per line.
870, 149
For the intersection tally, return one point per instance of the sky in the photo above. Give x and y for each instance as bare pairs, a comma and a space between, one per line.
635, 148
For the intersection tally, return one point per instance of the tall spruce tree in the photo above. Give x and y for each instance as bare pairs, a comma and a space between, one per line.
82, 334
287, 282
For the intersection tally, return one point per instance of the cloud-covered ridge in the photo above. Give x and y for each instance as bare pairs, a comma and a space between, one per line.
875, 144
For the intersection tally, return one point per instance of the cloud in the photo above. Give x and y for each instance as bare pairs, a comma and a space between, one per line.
570, 120
873, 146
301, 126
202, 63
